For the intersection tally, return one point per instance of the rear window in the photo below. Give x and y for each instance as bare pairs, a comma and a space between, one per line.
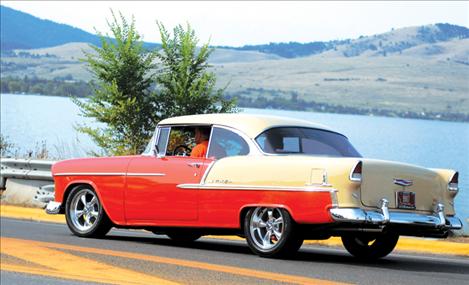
294, 140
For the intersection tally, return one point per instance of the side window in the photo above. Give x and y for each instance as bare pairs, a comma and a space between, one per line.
226, 143
291, 144
181, 141
163, 140
150, 145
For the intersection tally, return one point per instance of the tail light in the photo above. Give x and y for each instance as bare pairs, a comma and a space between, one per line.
356, 173
453, 183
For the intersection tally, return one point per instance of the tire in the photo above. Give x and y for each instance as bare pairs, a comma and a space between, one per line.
370, 247
270, 232
84, 213
183, 237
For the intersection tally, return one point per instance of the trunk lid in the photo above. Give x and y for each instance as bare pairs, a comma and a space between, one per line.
385, 179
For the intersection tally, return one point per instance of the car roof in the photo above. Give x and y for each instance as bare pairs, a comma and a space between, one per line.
250, 124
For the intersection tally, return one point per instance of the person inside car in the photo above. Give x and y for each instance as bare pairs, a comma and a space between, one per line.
201, 139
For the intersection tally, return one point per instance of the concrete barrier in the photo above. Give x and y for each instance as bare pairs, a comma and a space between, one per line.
22, 192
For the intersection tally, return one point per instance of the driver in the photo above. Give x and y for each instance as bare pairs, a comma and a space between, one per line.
201, 139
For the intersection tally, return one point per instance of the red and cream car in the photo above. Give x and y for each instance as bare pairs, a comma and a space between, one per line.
276, 181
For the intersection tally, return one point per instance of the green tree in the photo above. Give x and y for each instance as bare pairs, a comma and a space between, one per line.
184, 84
122, 98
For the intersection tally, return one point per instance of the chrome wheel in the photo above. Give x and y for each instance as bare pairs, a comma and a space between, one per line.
84, 210
84, 213
266, 227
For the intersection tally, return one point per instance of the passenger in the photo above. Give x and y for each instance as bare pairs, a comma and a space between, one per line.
201, 139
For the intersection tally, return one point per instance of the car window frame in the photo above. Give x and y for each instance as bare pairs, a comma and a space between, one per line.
289, 126
253, 147
246, 140
175, 126
158, 130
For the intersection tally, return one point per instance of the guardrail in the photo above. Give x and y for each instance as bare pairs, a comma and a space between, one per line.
29, 169
25, 169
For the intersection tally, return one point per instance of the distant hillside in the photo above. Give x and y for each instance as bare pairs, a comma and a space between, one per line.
392, 42
291, 49
416, 72
23, 31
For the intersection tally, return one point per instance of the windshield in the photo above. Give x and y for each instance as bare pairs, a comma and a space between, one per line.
305, 141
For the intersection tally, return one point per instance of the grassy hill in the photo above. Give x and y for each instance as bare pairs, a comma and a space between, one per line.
429, 74
390, 42
397, 82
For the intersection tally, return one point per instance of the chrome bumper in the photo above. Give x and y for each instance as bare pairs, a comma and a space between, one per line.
53, 208
384, 217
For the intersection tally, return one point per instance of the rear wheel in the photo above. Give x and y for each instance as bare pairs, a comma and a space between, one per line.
270, 232
370, 247
84, 213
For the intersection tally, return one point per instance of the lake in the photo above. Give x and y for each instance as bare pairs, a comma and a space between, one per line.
30, 120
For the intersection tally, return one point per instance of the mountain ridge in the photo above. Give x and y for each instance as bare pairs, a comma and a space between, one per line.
432, 33
21, 30
24, 31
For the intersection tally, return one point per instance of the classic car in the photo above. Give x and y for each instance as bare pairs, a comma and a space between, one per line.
275, 181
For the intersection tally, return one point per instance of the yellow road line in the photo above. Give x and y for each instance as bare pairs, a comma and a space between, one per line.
180, 262
33, 214
404, 244
67, 266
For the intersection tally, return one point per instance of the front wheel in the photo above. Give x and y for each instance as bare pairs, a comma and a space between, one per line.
370, 247
84, 213
270, 232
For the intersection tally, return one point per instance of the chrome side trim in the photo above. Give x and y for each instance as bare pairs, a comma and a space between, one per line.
53, 208
216, 186
207, 171
107, 174
145, 174
90, 174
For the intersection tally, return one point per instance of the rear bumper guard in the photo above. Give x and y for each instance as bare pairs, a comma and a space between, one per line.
384, 217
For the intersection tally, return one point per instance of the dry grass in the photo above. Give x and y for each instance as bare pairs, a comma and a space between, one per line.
412, 81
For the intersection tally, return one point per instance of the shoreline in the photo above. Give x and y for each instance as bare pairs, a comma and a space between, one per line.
316, 107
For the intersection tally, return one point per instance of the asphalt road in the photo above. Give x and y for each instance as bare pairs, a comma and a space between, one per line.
47, 253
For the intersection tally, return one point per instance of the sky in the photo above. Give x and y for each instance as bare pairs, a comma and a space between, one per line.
236, 23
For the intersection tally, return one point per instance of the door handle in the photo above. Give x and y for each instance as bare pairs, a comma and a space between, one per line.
195, 164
